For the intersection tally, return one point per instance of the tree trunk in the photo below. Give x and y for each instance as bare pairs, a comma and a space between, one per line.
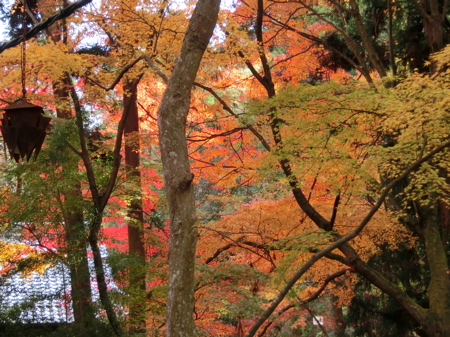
172, 114
100, 275
136, 245
438, 314
391, 39
80, 279
99, 202
75, 231
367, 40
434, 13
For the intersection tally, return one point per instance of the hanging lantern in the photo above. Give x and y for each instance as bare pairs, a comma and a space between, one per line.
23, 129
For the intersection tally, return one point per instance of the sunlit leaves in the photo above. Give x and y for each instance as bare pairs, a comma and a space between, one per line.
18, 257
418, 120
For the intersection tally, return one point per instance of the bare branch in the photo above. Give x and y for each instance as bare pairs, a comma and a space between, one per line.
215, 135
156, 69
335, 209
227, 108
218, 252
119, 76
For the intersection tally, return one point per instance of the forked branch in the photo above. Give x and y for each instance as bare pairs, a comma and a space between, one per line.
349, 236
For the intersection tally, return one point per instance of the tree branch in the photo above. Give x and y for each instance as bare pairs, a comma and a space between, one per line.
117, 157
156, 69
119, 76
218, 252
349, 236
64, 13
227, 108
319, 41
311, 298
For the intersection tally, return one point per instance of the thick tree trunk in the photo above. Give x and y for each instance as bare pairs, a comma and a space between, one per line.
438, 314
172, 115
136, 245
434, 13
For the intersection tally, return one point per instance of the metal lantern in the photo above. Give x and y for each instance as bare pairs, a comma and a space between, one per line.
23, 129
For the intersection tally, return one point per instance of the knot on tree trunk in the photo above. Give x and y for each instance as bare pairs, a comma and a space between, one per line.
186, 181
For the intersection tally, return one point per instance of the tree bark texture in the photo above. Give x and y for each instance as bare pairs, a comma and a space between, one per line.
136, 245
172, 114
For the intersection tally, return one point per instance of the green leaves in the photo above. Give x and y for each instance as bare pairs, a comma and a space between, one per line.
418, 118
328, 131
351, 138
294, 248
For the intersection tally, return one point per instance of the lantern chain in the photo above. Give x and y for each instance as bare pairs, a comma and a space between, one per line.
23, 66
23, 54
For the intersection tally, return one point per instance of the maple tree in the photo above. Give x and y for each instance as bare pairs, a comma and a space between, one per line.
285, 157
365, 164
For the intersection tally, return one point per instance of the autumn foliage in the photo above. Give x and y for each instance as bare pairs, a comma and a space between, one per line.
291, 152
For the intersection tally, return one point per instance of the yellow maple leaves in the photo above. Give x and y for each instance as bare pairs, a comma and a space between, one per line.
21, 258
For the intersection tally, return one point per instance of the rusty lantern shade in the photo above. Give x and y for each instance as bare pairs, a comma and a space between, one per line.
23, 129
